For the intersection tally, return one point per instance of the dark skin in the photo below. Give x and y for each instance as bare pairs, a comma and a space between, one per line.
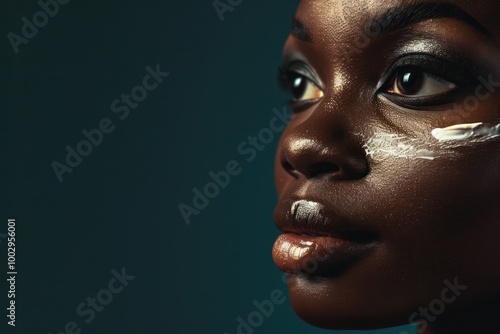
426, 221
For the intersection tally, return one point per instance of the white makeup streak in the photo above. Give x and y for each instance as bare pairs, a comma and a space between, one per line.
467, 133
384, 145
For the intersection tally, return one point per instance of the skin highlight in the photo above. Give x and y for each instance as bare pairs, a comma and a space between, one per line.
381, 199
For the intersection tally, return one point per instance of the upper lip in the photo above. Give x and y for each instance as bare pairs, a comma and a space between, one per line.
310, 217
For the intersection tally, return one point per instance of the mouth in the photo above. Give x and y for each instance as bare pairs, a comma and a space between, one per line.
316, 242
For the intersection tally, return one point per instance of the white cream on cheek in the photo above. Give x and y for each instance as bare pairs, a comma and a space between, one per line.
384, 145
467, 133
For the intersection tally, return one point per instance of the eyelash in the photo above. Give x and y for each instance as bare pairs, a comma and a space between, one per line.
434, 67
286, 76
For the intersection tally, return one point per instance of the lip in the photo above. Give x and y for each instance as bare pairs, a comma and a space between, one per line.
317, 242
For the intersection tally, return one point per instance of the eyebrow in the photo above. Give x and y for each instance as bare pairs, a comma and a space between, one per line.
300, 31
400, 17
403, 16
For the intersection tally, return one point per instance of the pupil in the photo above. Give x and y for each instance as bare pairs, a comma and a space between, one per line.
410, 82
298, 87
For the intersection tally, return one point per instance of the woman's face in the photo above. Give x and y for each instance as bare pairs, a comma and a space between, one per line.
384, 208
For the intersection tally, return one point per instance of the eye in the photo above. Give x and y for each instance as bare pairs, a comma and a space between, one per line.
297, 79
428, 82
303, 89
415, 82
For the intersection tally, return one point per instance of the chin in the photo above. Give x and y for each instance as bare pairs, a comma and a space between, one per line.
318, 302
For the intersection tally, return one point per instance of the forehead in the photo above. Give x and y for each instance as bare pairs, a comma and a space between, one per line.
333, 17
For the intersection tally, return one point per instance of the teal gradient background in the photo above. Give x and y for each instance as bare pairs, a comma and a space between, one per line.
119, 207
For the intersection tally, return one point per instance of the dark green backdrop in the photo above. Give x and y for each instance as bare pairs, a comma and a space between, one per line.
119, 207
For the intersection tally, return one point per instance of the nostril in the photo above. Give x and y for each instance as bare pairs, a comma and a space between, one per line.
321, 168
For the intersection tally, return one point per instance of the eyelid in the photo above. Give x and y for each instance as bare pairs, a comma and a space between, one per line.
423, 103
464, 78
435, 67
305, 70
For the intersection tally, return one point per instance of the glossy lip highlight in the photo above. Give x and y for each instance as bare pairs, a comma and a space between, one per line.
314, 219
313, 244
310, 212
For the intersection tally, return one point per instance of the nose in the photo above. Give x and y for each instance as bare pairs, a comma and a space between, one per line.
319, 148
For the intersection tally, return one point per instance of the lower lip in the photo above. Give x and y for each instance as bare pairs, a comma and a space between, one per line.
317, 255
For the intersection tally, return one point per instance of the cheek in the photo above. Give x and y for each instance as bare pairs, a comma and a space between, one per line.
445, 192
442, 215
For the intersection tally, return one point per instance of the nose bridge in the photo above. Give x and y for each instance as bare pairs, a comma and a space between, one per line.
324, 144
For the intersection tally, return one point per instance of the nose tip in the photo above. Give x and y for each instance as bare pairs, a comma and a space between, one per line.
311, 158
